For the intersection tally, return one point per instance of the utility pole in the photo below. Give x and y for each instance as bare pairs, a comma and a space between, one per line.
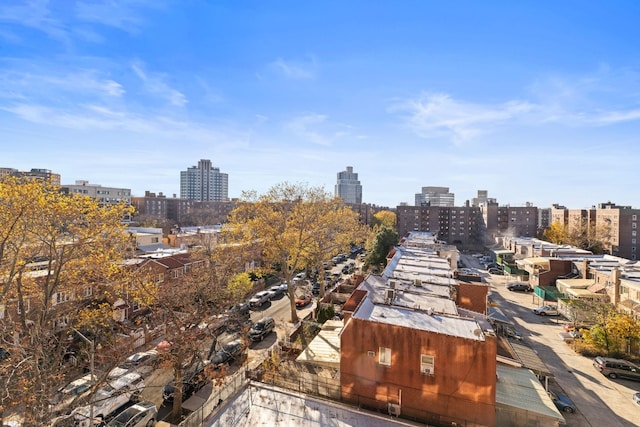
92, 366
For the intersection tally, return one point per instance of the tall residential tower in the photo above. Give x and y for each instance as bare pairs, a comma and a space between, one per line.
204, 183
348, 187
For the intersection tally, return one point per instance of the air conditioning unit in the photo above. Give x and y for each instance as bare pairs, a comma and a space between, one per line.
394, 409
392, 284
390, 294
427, 370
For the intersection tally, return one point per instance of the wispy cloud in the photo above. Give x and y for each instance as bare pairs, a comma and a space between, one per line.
317, 129
437, 115
124, 15
155, 84
292, 69
606, 97
34, 14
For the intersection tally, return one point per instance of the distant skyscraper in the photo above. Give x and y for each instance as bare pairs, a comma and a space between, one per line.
204, 183
348, 187
435, 196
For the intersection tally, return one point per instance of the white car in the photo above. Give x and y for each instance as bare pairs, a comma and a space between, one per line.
546, 310
141, 414
74, 390
259, 299
109, 398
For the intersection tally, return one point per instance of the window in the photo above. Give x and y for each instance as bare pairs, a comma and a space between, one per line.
160, 278
60, 297
384, 356
427, 364
634, 217
135, 305
634, 225
2, 310
87, 292
633, 232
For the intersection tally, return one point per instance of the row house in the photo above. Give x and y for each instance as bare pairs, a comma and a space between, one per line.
407, 349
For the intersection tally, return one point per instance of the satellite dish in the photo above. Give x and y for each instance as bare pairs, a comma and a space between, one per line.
477, 332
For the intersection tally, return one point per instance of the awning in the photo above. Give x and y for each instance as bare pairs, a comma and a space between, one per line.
496, 315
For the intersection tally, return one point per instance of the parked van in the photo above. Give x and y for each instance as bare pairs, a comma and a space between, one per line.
617, 368
109, 398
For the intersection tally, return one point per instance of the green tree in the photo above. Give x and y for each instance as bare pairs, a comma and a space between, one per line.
295, 227
378, 247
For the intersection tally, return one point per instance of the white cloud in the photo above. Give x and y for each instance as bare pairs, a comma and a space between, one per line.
317, 129
34, 14
435, 115
298, 70
155, 84
117, 14
606, 97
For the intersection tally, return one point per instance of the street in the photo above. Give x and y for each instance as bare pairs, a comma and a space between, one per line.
599, 400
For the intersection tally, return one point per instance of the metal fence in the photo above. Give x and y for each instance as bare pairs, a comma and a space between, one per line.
232, 385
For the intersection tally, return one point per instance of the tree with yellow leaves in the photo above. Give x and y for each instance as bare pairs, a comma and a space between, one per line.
384, 218
296, 227
56, 250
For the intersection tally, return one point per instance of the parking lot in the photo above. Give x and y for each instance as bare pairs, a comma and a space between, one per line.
599, 400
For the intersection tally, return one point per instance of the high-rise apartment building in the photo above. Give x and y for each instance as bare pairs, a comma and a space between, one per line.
435, 196
204, 183
455, 225
348, 187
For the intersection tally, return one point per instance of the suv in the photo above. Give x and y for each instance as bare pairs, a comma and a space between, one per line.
617, 368
261, 328
259, 299
519, 287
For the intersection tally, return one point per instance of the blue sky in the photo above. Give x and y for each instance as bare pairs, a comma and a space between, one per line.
533, 101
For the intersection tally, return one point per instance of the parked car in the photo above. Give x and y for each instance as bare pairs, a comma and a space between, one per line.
570, 326
193, 380
261, 328
241, 311
562, 402
519, 287
259, 299
109, 398
141, 414
315, 289
636, 398
142, 362
227, 354
617, 368
303, 301
496, 271
276, 292
511, 333
71, 392
546, 310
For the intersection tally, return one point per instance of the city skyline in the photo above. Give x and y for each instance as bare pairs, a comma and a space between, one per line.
534, 103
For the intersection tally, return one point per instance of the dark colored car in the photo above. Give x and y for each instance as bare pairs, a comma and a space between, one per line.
303, 301
519, 287
193, 380
240, 310
276, 292
228, 353
562, 402
315, 289
261, 328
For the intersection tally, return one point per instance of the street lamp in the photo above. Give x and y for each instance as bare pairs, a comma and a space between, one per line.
92, 350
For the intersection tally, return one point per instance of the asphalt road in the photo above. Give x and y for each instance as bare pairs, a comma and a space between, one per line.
599, 400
